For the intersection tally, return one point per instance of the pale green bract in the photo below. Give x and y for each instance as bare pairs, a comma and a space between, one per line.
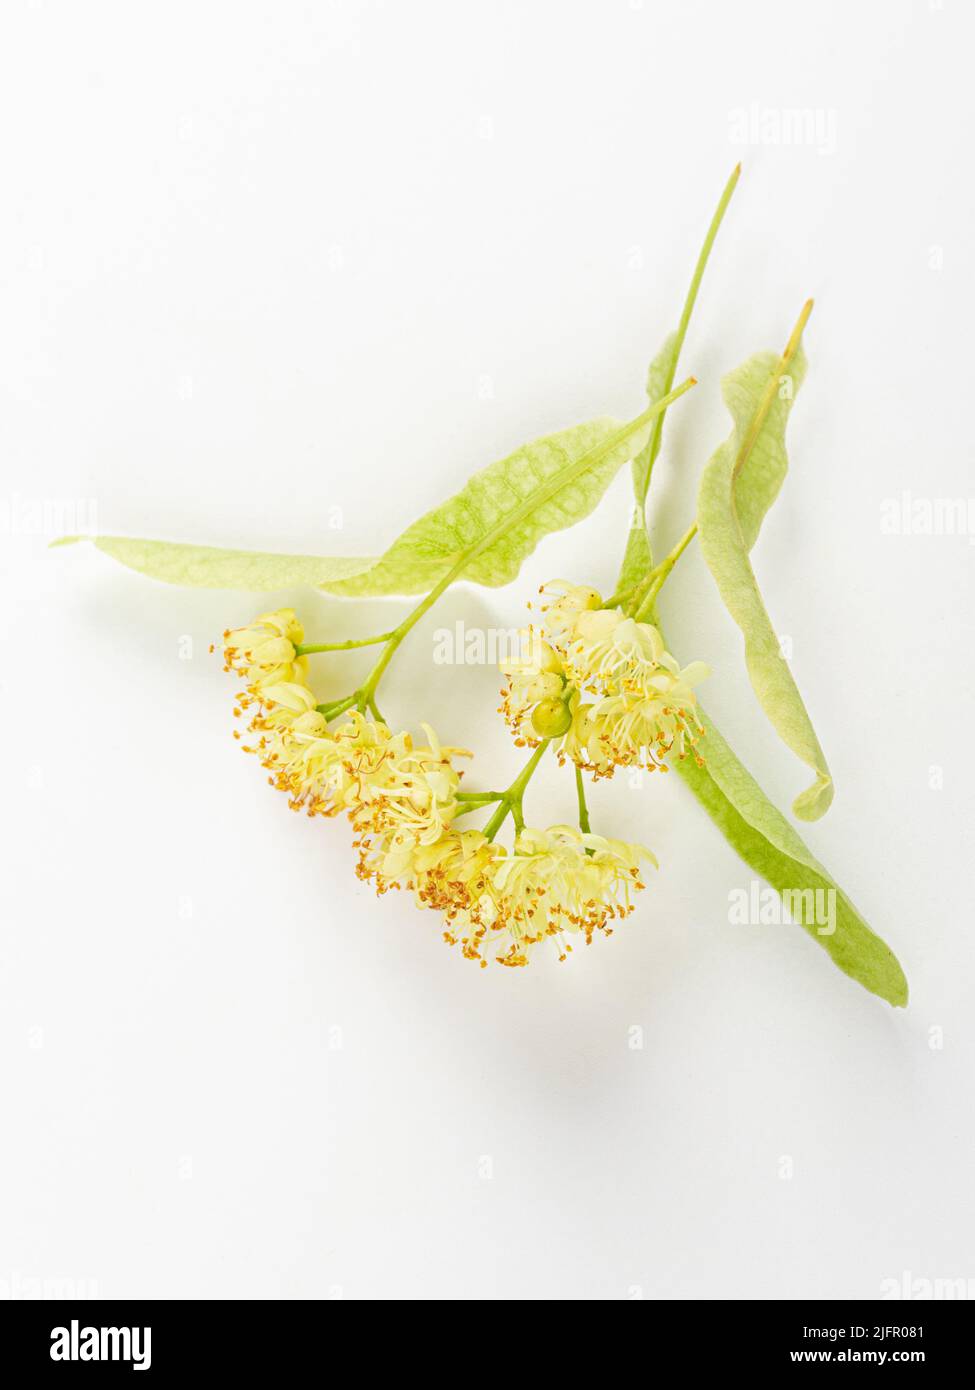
497, 519
769, 844
638, 559
749, 821
660, 375
209, 567
730, 511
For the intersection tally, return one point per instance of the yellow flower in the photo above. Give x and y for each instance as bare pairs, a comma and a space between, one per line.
264, 652
293, 739
535, 677
285, 700
609, 650
556, 881
326, 772
452, 875
409, 792
402, 797
384, 782
562, 612
643, 705
562, 880
575, 743
642, 726
387, 784
362, 748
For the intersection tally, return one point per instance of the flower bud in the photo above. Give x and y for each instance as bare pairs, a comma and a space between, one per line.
551, 718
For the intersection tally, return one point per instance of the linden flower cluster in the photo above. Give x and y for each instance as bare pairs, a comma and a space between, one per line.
642, 705
402, 801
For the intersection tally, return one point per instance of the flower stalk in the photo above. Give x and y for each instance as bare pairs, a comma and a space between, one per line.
511, 800
312, 648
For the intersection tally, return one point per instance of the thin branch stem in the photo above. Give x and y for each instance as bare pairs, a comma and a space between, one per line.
583, 808
336, 708
622, 595
309, 648
511, 800
653, 448
658, 577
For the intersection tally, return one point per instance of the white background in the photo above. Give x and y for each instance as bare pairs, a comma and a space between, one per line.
281, 275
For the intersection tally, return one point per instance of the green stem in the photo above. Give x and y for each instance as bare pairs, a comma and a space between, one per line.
336, 708
511, 800
365, 695
535, 499
622, 595
517, 789
657, 577
583, 808
311, 647
497, 820
656, 437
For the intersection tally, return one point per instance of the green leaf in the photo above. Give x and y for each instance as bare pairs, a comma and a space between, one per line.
488, 528
731, 507
769, 844
638, 559
482, 534
206, 567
